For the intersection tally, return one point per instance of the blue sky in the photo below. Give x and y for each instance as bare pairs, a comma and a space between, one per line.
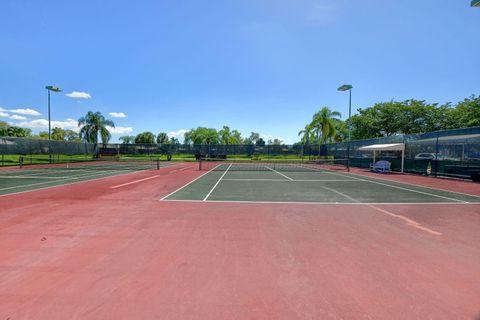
255, 65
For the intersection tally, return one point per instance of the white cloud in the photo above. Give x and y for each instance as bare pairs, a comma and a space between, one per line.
177, 134
79, 95
26, 112
270, 137
43, 124
267, 137
3, 114
117, 115
70, 124
120, 130
17, 117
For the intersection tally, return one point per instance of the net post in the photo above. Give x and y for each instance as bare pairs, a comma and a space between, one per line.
158, 163
20, 161
199, 164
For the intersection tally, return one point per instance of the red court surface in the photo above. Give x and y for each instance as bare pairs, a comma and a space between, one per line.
109, 249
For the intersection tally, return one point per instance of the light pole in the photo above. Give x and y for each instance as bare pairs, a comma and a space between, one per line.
55, 89
347, 87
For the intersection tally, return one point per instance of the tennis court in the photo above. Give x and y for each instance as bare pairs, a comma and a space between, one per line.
30, 177
253, 239
305, 183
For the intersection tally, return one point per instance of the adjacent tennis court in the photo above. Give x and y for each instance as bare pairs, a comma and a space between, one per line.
34, 176
287, 182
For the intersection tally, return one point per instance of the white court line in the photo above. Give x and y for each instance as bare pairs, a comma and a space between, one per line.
408, 221
394, 181
180, 169
279, 173
326, 203
29, 177
168, 195
133, 182
340, 193
67, 184
279, 180
401, 188
296, 180
37, 172
57, 180
216, 184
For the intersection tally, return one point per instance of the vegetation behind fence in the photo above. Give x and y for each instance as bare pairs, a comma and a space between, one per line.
449, 153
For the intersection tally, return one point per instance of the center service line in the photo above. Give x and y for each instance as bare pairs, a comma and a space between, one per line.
216, 184
280, 173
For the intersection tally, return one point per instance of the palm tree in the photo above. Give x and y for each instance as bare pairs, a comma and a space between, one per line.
14, 131
324, 124
92, 124
306, 134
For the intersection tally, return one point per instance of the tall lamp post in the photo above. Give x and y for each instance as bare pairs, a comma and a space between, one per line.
54, 89
347, 87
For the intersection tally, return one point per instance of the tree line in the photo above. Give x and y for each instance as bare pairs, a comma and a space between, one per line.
57, 133
380, 120
392, 118
201, 135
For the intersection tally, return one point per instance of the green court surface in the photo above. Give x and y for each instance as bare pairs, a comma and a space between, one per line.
272, 186
28, 179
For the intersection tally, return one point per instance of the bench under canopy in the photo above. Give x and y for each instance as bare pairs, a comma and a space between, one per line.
386, 147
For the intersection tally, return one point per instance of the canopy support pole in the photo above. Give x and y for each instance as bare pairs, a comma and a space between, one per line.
403, 159
374, 154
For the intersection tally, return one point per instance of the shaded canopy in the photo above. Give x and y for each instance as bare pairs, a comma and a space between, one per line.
384, 147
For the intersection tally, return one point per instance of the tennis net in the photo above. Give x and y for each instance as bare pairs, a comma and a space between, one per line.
89, 164
277, 165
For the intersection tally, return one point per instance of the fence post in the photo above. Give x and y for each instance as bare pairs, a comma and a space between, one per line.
436, 157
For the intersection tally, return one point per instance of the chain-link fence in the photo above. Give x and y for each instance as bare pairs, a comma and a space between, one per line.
442, 153
448, 153
12, 148
212, 151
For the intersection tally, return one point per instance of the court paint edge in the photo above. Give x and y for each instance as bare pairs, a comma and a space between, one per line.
134, 182
321, 203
